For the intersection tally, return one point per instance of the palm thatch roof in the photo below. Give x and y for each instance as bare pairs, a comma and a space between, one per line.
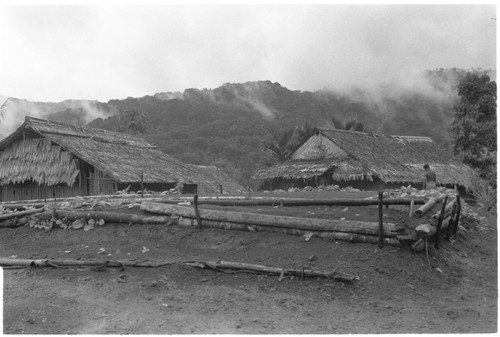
214, 178
53, 147
350, 155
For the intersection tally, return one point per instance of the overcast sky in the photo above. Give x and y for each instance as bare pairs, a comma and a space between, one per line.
52, 53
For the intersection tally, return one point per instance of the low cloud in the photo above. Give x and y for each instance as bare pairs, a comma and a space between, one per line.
16, 110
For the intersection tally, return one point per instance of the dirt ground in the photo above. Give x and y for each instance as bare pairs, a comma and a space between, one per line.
397, 291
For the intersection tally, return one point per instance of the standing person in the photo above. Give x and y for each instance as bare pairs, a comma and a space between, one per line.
430, 178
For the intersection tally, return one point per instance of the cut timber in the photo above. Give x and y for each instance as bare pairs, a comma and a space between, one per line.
425, 230
427, 206
22, 206
360, 227
294, 202
332, 236
20, 214
218, 265
11, 223
110, 217
447, 211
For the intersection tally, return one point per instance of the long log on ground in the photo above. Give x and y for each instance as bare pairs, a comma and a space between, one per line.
427, 206
111, 217
82, 263
332, 236
296, 202
360, 227
22, 205
14, 223
20, 214
218, 265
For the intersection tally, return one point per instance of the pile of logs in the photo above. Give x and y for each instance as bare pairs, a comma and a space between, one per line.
444, 221
79, 213
351, 231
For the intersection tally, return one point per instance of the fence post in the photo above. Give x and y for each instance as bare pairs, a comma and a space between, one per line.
457, 216
440, 222
142, 184
412, 204
198, 218
380, 219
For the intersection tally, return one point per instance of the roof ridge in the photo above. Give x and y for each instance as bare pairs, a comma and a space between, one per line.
340, 130
29, 119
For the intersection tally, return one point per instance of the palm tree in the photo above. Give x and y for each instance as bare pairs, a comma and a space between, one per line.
281, 144
284, 141
352, 125
2, 108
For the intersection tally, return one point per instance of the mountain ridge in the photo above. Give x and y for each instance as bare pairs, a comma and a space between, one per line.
226, 126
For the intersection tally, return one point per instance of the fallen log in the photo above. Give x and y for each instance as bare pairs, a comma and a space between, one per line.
20, 214
427, 206
332, 236
112, 217
82, 263
303, 272
359, 227
216, 265
293, 202
12, 223
22, 205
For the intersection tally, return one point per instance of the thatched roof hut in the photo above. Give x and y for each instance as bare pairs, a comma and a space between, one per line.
216, 181
350, 156
83, 161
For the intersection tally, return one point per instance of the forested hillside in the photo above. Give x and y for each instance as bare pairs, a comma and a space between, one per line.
226, 126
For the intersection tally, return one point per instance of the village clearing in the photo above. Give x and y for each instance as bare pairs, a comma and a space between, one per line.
396, 290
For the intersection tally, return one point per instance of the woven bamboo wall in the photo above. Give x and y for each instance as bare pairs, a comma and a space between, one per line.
100, 183
32, 191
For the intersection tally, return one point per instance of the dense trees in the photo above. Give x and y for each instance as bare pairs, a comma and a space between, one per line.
133, 121
474, 126
228, 126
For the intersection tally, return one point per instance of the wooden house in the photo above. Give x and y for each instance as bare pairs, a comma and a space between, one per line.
365, 161
45, 159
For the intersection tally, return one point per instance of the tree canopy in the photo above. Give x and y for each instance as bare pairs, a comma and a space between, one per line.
473, 129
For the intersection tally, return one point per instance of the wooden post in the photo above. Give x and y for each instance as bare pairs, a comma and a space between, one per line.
380, 219
142, 184
412, 203
198, 218
221, 192
440, 222
449, 229
44, 187
281, 203
80, 177
98, 173
457, 216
